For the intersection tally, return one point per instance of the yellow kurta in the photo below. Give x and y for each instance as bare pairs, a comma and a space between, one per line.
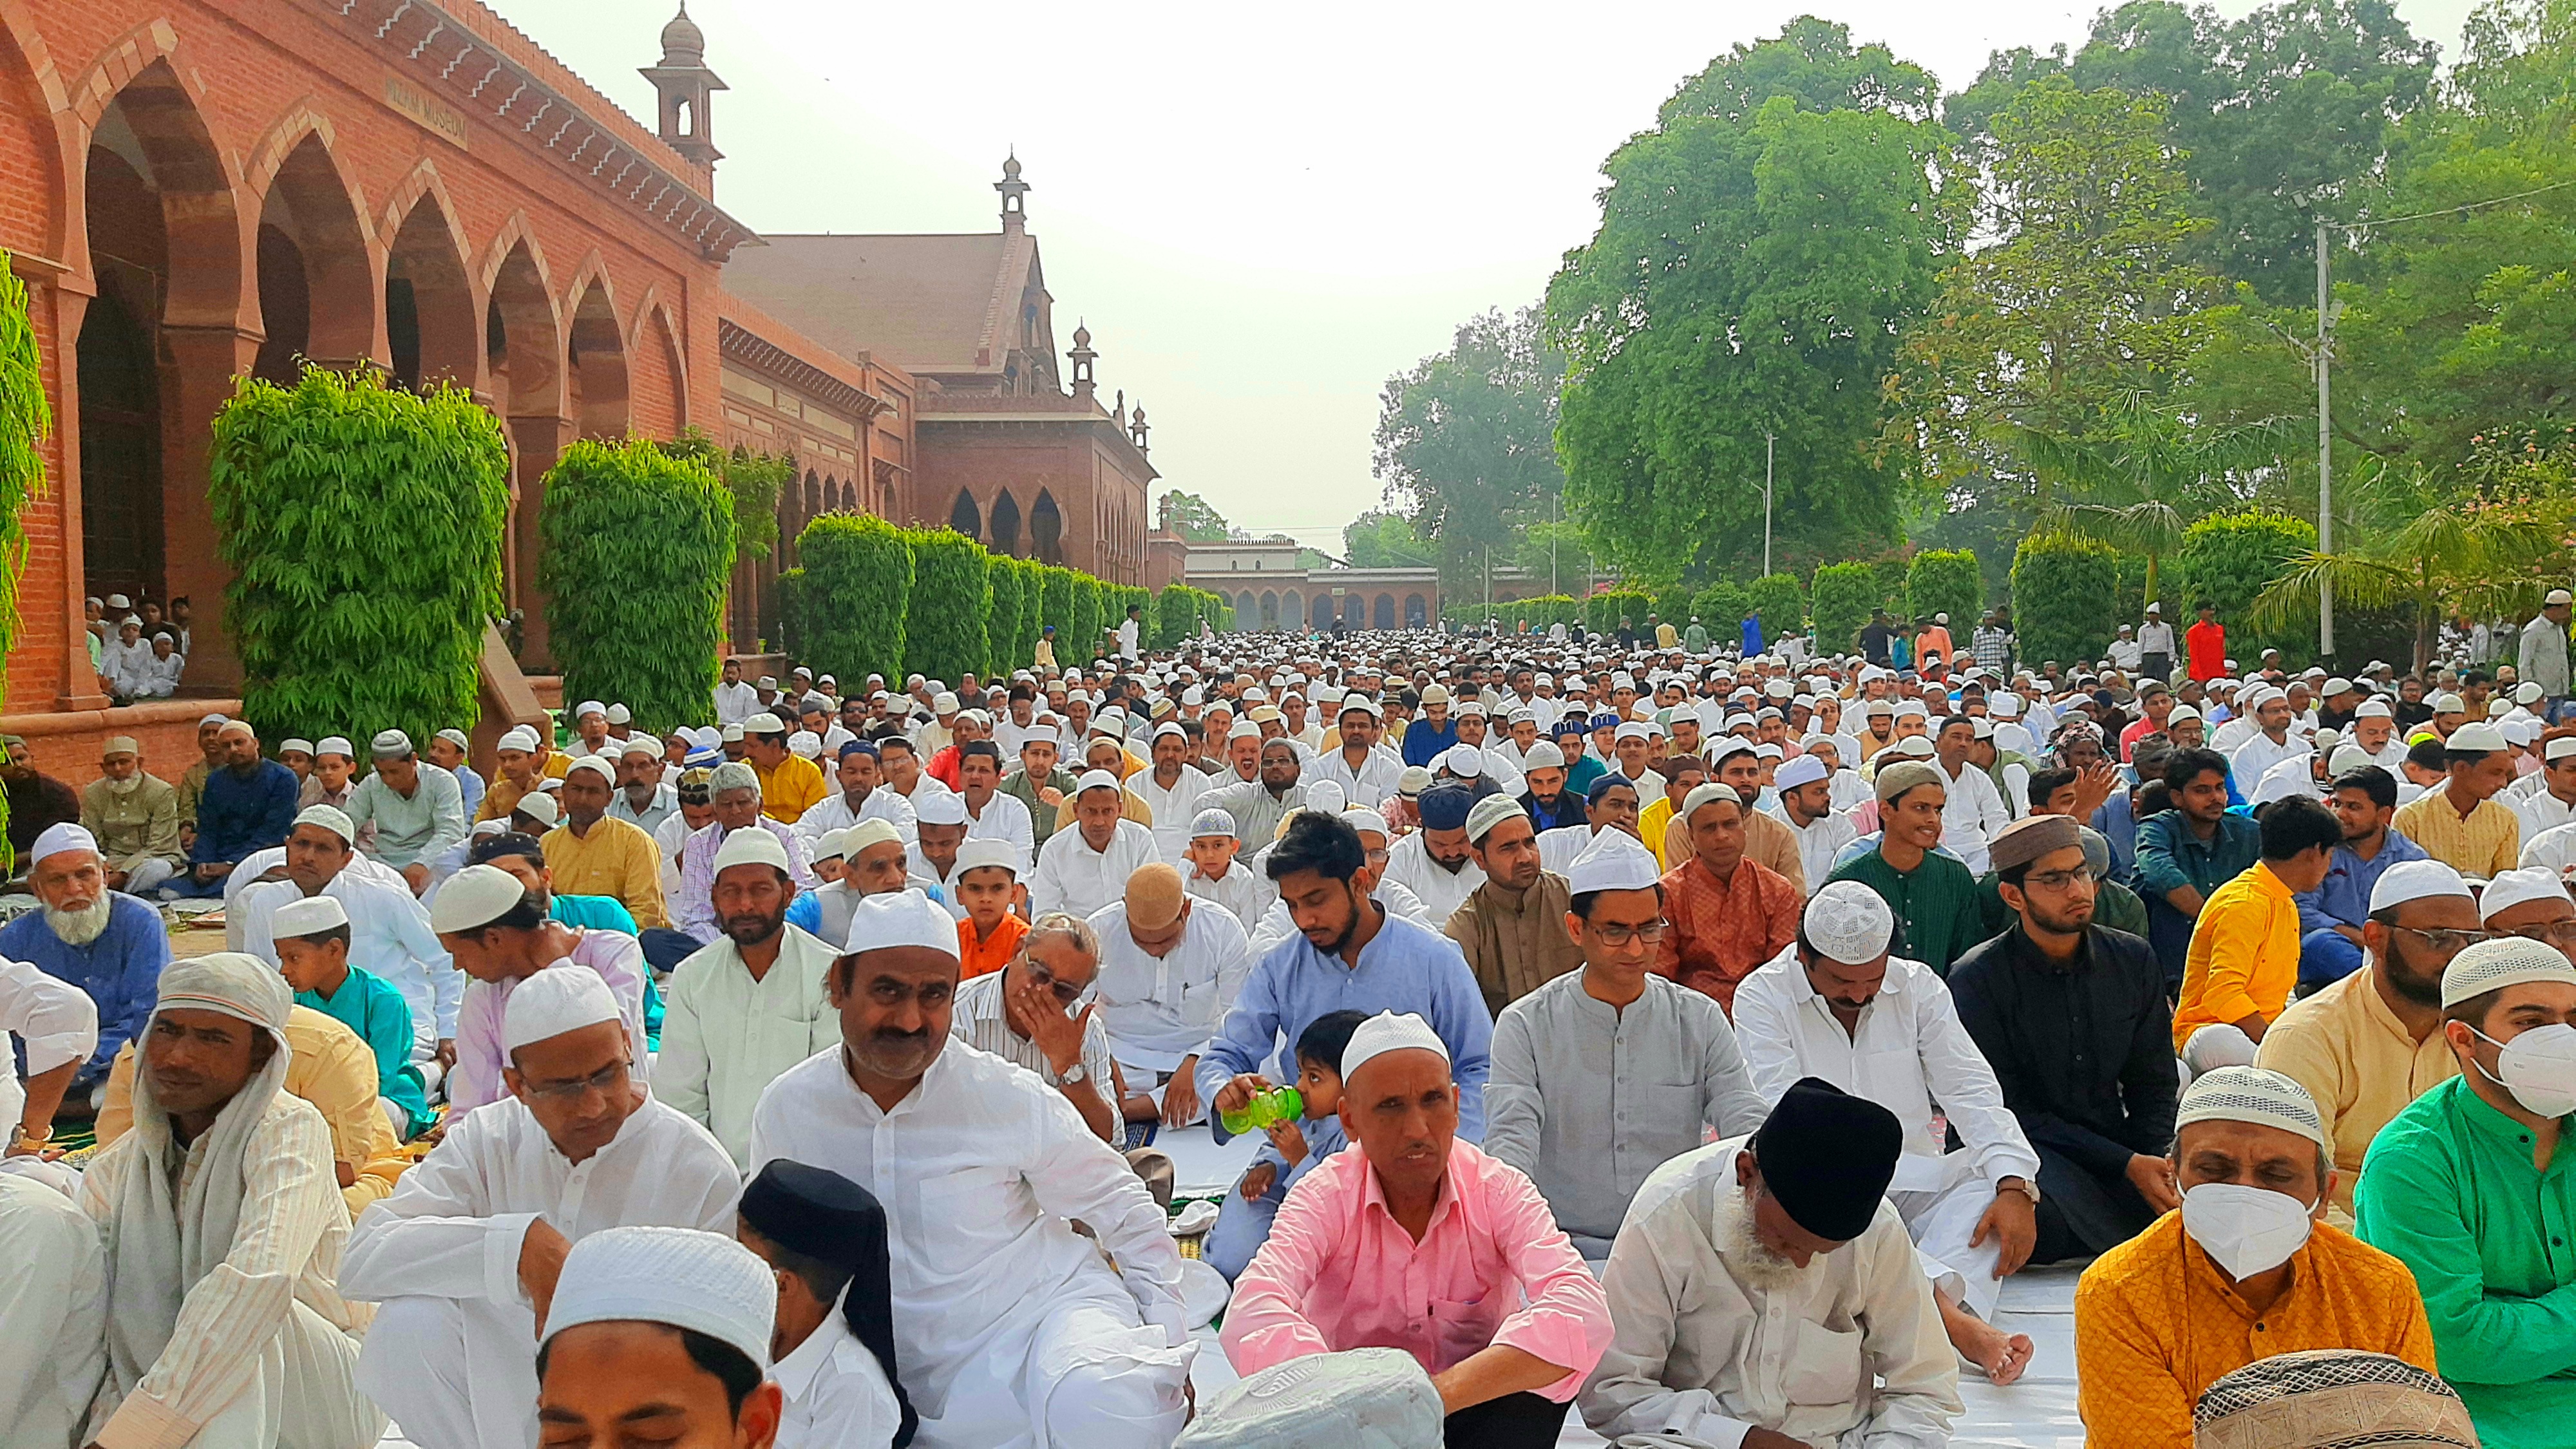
790, 789
2356, 1059
2244, 955
616, 859
2486, 842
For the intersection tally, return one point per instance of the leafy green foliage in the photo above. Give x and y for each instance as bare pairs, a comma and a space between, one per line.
943, 632
1194, 518
1082, 640
1466, 445
26, 416
1942, 581
639, 551
1781, 601
2229, 559
858, 585
1056, 610
1721, 607
2063, 587
1384, 541
363, 525
1844, 595
1602, 612
1003, 626
754, 479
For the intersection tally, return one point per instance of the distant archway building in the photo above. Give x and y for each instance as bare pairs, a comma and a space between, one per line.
1270, 589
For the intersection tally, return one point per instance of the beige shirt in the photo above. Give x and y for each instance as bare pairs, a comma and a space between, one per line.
2356, 1059
140, 825
1767, 841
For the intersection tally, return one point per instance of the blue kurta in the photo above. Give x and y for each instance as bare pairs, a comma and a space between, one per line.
1406, 967
369, 1005
238, 815
120, 969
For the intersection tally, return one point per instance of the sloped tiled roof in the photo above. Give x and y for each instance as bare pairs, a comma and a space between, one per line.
929, 304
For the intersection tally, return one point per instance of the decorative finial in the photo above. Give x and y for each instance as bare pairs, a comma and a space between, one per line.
1014, 192
684, 45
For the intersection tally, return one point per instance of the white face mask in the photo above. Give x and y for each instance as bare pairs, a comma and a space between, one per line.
2247, 1230
2538, 1067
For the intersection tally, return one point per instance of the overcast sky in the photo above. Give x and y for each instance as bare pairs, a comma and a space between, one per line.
1263, 212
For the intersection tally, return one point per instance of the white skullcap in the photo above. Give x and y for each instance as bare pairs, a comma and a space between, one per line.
1614, 861
2505, 961
1464, 760
1211, 821
336, 745
2260, 1096
1544, 755
830, 845
730, 735
867, 833
308, 916
750, 845
538, 806
804, 742
2480, 736
474, 897
1363, 1398
2529, 692
60, 837
2447, 703
2374, 709
1095, 780
1633, 730
454, 737
1389, 1032
1707, 794
901, 918
566, 996
2348, 758
233, 983
943, 702
518, 737
1489, 812
2515, 887
329, 817
2416, 880
1849, 923
945, 807
989, 850
642, 745
2559, 748
683, 1277
1804, 770
292, 745
1327, 797
619, 714
589, 707
597, 765
1243, 730
2180, 713
2523, 731
1369, 822
1914, 747
1173, 730
764, 723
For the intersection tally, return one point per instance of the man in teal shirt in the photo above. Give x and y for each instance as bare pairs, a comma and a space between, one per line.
2468, 1188
312, 940
1695, 638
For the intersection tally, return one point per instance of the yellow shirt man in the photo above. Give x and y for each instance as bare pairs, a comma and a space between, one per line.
2244, 956
790, 788
616, 859
2486, 842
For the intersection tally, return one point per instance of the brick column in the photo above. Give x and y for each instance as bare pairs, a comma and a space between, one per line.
194, 387
79, 683
538, 442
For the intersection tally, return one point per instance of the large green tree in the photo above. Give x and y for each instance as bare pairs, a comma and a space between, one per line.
1757, 255
1194, 518
1384, 541
1466, 441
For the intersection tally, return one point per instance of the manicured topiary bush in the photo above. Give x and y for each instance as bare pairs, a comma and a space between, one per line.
856, 594
1946, 581
639, 549
1843, 597
2063, 592
2228, 559
943, 632
1781, 602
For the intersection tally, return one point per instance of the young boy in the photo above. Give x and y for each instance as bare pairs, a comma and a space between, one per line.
1243, 1223
312, 937
987, 882
1215, 875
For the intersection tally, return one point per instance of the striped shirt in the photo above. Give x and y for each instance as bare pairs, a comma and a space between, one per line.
976, 1018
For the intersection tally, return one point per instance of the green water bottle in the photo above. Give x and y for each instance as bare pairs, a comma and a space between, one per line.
1266, 1110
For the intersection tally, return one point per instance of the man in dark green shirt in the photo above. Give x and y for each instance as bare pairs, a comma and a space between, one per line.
1933, 895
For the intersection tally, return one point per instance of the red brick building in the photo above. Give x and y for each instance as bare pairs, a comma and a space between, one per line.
193, 190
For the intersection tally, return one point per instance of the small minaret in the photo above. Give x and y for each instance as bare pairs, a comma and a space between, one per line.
1015, 216
1136, 428
1082, 356
685, 84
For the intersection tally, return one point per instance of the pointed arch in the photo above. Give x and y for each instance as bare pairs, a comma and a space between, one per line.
659, 382
1046, 529
433, 329
596, 362
26, 59
516, 235
284, 138
1004, 523
964, 517
192, 179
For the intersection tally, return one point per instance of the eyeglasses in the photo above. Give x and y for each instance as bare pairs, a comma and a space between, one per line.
1652, 933
2449, 943
606, 1079
2561, 934
2055, 880
1064, 991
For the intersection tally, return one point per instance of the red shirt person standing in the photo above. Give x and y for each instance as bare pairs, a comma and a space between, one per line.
2206, 643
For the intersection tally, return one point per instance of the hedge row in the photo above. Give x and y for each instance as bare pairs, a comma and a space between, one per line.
2063, 590
639, 549
26, 415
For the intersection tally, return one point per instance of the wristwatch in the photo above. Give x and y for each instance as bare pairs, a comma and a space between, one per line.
2022, 1185
1075, 1075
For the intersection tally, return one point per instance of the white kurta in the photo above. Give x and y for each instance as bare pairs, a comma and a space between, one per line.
1005, 817
836, 1391
1173, 809
452, 1355
1909, 1052
1071, 876
2255, 758
54, 1021
1819, 843
1013, 1332
1442, 891
1371, 783
1239, 890
834, 813
53, 1297
1973, 810
1161, 1009
725, 1037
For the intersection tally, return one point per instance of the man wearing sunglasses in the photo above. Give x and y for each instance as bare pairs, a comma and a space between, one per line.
2370, 1043
463, 1257
1038, 1011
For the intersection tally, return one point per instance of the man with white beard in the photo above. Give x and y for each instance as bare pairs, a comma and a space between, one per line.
1766, 1295
105, 942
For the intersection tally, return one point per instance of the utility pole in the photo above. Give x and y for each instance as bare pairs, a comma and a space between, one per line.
1555, 518
2325, 438
1767, 447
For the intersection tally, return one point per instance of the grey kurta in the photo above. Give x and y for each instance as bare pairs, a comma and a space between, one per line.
1589, 1100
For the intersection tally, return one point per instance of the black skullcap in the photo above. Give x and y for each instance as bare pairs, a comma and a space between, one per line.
1827, 1156
1445, 807
821, 1214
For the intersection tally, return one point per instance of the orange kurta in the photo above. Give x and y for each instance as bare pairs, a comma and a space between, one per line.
977, 958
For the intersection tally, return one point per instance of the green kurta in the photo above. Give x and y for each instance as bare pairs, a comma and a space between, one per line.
2449, 1189
370, 1006
1936, 903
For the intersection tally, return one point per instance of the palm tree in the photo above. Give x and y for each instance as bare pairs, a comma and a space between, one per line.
2150, 478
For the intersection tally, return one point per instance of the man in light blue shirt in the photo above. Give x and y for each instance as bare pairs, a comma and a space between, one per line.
418, 812
2330, 917
1350, 954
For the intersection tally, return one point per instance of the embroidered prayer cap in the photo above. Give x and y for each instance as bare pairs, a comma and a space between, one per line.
60, 837
2331, 1398
1711, 793
234, 983
1543, 755
947, 807
641, 745
389, 745
1827, 1157
901, 918
473, 898
2502, 962
329, 817
308, 916
1804, 770
868, 832
1325, 797
682, 1277
750, 845
2027, 840
1389, 1031
733, 775
1094, 780
2258, 1095
973, 854
764, 723
1849, 923
566, 996
1903, 775
1362, 1398
291, 745
1211, 821
1489, 812
1614, 861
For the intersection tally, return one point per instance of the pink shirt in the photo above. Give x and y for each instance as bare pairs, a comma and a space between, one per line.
1340, 1273
476, 1078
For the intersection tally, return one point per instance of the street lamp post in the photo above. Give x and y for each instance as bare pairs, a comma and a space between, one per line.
1767, 448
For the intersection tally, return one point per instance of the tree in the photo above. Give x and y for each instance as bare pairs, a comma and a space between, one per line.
1194, 518
1755, 260
25, 417
1466, 442
639, 549
1384, 541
